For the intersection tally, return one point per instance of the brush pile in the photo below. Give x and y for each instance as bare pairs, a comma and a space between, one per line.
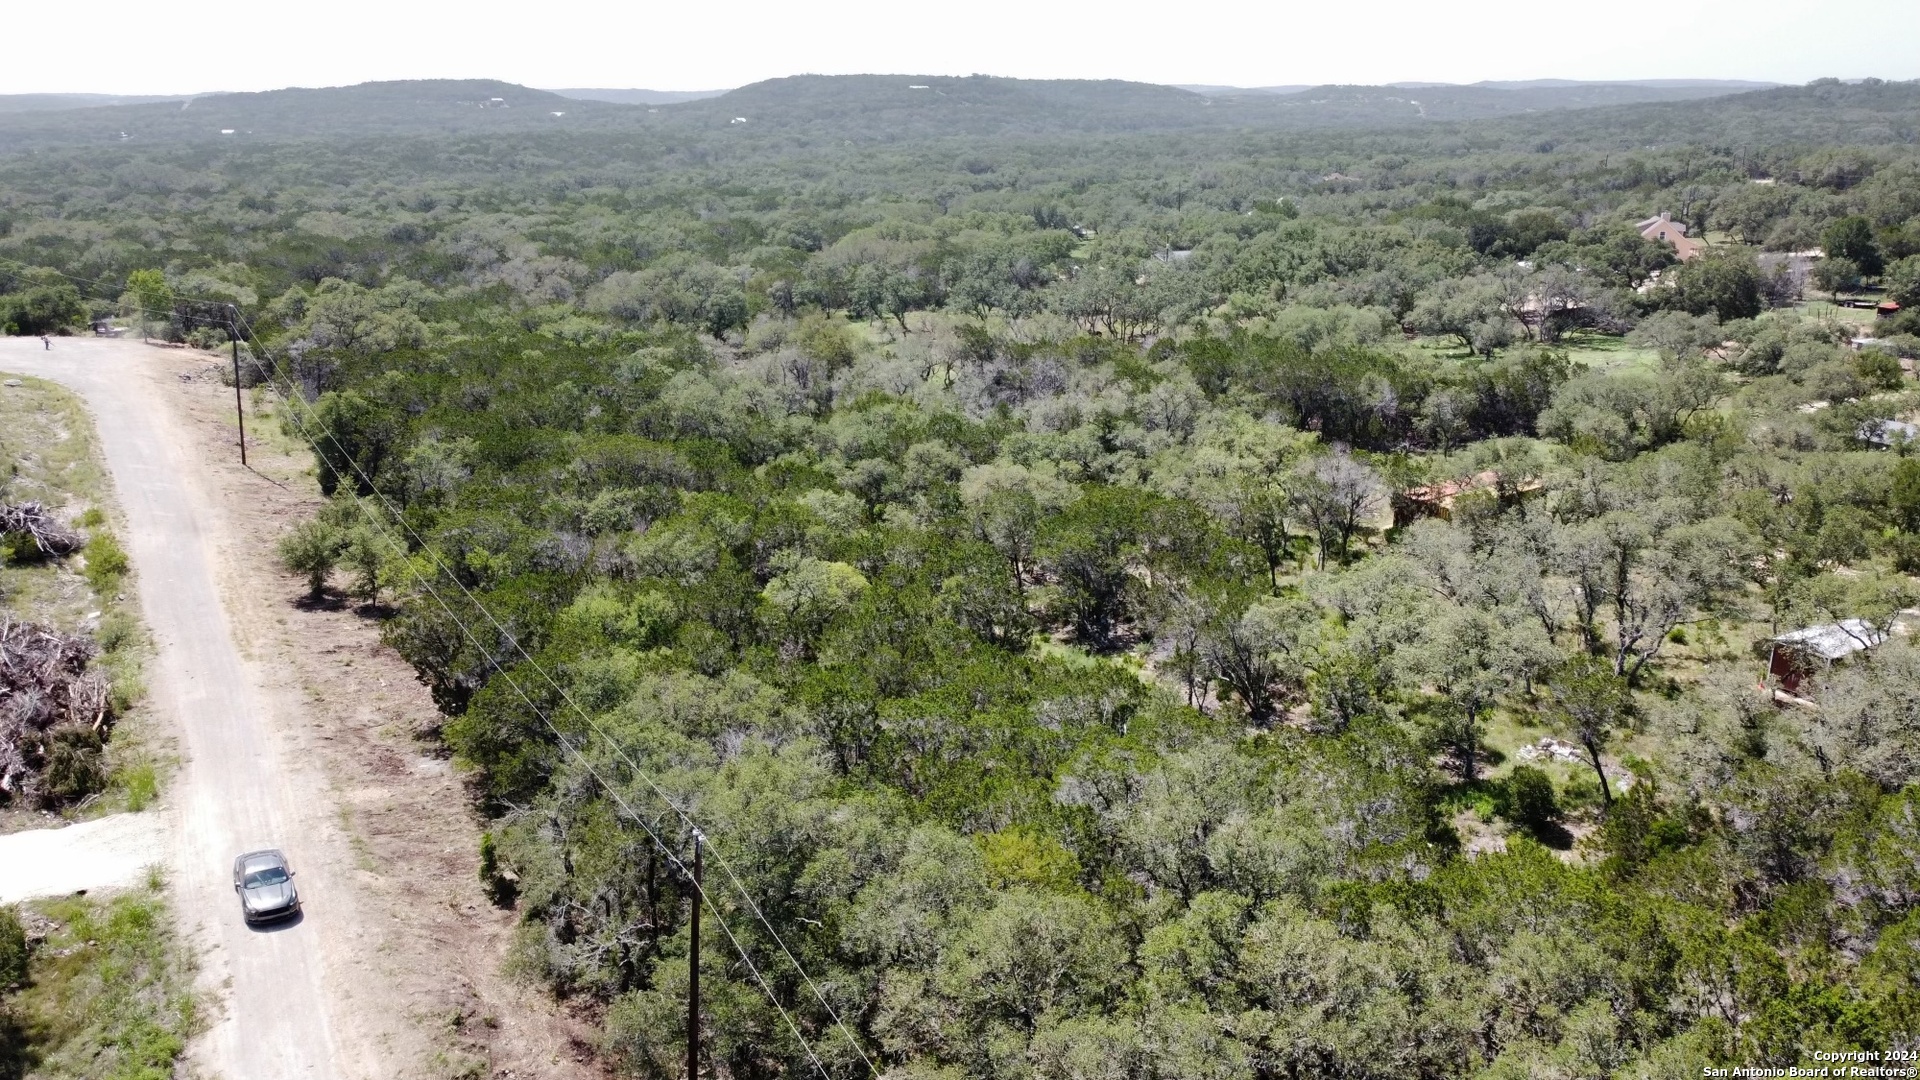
53, 713
36, 522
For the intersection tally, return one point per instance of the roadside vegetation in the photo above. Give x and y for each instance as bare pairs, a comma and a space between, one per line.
93, 989
71, 737
1199, 605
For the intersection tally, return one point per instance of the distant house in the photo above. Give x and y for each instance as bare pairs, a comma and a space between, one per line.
1439, 500
1672, 233
1802, 653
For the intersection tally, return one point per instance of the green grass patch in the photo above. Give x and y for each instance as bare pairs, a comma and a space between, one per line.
1609, 354
107, 994
1822, 309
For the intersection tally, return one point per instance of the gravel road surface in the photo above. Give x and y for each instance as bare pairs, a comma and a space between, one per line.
102, 853
289, 1000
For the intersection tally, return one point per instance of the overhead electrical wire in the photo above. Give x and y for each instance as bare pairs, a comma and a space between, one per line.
259, 350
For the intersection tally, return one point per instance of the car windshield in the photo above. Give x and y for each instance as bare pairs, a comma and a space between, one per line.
272, 875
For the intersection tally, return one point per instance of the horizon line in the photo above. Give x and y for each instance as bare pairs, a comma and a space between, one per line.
1395, 84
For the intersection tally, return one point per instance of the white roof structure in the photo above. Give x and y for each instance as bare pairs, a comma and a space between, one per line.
1889, 432
1834, 640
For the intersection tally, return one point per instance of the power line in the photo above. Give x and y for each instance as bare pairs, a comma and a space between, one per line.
559, 736
261, 351
643, 774
719, 857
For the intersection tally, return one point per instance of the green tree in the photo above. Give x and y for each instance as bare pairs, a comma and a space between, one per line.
312, 549
148, 299
1336, 497
1255, 645
1590, 702
1471, 656
1836, 275
808, 594
367, 554
1469, 311
39, 302
1726, 285
1088, 549
1904, 494
1903, 282
1851, 238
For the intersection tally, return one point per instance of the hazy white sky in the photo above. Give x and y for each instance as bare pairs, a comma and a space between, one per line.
131, 46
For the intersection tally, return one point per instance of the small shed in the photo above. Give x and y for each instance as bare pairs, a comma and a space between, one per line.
1440, 499
1802, 653
1887, 309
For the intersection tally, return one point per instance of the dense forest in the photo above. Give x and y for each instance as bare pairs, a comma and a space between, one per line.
1122, 595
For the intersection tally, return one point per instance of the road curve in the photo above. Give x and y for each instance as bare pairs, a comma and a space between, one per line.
241, 785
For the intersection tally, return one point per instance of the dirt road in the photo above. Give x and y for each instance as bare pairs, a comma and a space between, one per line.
296, 730
241, 786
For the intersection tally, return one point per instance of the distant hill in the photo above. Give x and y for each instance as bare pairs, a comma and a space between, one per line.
1690, 88
1461, 101
1227, 91
10, 103
640, 97
894, 106
1730, 86
811, 109
1827, 111
1393, 106
419, 107
901, 106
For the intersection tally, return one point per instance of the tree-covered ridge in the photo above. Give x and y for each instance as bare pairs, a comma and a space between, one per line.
1214, 604
1030, 723
869, 109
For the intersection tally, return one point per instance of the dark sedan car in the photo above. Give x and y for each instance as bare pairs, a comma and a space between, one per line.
265, 884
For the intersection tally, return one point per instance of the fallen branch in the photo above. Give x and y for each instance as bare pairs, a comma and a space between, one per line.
49, 533
44, 686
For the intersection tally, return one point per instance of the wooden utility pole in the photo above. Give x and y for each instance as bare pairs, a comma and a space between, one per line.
239, 413
693, 969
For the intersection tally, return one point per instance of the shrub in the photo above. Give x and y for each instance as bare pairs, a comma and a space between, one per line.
75, 766
118, 629
1906, 553
1530, 799
312, 549
1878, 369
107, 564
500, 885
13, 950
